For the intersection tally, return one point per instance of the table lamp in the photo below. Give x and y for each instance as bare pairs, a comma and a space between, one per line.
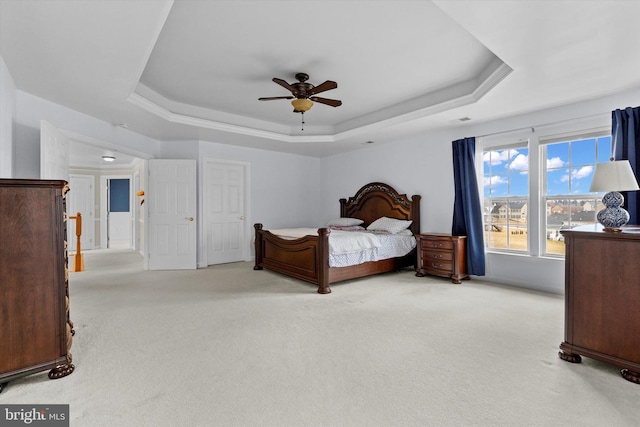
613, 176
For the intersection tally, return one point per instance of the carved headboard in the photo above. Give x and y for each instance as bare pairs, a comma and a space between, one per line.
377, 199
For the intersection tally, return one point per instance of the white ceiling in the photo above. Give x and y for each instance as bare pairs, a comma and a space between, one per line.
186, 69
85, 152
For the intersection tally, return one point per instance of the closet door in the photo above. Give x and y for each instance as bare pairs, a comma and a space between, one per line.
172, 214
224, 211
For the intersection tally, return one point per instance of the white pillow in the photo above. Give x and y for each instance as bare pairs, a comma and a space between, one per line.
405, 232
391, 225
345, 222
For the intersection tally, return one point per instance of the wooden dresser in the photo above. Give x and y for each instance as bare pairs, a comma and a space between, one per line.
35, 329
442, 255
602, 298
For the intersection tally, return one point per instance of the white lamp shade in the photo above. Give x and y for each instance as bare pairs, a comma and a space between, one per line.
614, 176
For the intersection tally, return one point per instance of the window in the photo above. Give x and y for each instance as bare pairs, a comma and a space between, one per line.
536, 184
568, 169
506, 190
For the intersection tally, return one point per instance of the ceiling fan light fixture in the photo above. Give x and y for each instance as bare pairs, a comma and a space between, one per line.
302, 105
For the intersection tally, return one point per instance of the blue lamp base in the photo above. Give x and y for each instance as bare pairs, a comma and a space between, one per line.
613, 217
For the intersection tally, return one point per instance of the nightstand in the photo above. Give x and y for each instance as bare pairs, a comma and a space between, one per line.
442, 255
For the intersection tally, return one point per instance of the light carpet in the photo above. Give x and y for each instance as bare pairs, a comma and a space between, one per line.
230, 346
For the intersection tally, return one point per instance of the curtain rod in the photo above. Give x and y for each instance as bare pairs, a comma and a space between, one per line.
533, 128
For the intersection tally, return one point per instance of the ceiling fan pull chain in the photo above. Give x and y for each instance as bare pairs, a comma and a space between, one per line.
302, 113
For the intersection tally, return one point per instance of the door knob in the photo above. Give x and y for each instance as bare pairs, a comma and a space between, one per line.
189, 218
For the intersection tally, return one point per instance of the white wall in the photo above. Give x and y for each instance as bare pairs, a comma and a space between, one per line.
7, 119
285, 188
32, 109
420, 165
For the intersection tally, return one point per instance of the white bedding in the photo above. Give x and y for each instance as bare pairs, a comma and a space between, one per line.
340, 242
356, 247
391, 246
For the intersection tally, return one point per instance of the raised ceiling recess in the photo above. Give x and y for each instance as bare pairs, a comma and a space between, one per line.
194, 76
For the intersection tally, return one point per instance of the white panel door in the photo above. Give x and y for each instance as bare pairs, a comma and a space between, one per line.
120, 229
54, 152
224, 193
81, 198
171, 202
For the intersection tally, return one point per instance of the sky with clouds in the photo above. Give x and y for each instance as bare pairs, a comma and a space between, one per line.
570, 167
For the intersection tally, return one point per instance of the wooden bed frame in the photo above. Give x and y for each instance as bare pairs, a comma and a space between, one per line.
307, 258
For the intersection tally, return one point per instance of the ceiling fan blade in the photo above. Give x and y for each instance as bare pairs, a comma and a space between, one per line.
270, 98
285, 85
328, 85
331, 102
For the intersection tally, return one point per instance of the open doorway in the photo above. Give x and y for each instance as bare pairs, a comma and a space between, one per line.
116, 212
81, 200
119, 217
65, 154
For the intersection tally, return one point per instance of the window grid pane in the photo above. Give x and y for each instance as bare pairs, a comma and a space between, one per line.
568, 172
506, 224
506, 188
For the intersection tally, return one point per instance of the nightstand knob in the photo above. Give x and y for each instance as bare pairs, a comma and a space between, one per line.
434, 265
437, 245
437, 256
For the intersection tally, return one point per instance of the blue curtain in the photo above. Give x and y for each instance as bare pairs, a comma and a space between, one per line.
467, 211
625, 140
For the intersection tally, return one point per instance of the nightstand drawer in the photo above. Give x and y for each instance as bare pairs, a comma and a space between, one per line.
435, 244
430, 255
440, 266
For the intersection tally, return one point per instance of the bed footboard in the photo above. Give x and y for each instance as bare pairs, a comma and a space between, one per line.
306, 258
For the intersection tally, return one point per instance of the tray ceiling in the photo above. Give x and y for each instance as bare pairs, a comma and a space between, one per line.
193, 70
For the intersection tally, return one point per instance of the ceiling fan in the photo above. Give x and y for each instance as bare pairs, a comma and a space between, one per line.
303, 93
